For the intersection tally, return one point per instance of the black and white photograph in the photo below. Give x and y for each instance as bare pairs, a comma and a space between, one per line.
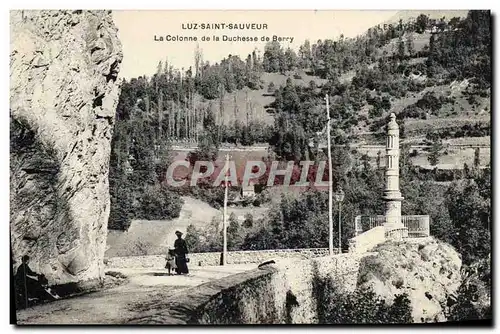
250, 167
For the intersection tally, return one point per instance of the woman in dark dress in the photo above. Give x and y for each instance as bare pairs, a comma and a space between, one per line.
181, 251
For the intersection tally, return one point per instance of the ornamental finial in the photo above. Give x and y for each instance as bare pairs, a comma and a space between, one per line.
393, 125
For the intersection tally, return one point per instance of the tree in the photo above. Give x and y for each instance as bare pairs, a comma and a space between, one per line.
469, 206
476, 157
435, 152
305, 55
290, 59
362, 306
410, 45
159, 203
248, 222
473, 300
454, 22
273, 57
421, 23
261, 239
198, 61
121, 212
234, 238
140, 150
193, 239
401, 48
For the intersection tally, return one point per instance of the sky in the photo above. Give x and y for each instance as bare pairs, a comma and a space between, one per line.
141, 53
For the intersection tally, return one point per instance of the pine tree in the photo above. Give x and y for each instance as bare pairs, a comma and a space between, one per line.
476, 157
401, 48
410, 45
435, 152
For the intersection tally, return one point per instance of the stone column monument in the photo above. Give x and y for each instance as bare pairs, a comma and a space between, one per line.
394, 228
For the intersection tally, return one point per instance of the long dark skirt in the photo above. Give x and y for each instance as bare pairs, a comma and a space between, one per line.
30, 289
180, 261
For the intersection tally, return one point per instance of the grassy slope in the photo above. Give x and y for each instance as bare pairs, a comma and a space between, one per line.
155, 236
254, 101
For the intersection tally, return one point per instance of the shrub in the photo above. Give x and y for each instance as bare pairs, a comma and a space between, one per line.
412, 111
473, 301
248, 222
158, 202
138, 248
429, 102
362, 306
120, 216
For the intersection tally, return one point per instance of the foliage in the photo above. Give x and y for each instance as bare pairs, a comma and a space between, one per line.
465, 52
139, 157
248, 222
302, 221
139, 248
467, 130
469, 205
208, 239
362, 306
278, 60
193, 238
159, 203
473, 300
234, 233
435, 152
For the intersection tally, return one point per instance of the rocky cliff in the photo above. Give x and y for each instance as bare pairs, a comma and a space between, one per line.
427, 270
63, 94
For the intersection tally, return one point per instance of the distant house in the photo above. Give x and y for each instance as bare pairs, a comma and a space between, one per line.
128, 166
248, 190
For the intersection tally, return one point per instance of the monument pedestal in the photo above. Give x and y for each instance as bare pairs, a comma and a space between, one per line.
395, 232
394, 228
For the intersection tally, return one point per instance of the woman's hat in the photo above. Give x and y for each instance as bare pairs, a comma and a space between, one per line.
178, 232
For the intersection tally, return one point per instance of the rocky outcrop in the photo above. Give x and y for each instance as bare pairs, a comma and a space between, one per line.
426, 269
64, 91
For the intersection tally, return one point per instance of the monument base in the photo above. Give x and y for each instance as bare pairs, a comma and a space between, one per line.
395, 232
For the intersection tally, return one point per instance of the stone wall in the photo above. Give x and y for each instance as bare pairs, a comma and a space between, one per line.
281, 293
63, 96
214, 258
367, 240
295, 291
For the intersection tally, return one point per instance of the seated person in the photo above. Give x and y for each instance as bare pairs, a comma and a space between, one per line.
29, 284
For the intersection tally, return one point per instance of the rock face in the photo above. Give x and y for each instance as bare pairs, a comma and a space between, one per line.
63, 95
427, 270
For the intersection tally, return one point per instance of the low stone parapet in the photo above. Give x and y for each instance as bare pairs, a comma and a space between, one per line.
367, 240
287, 292
214, 258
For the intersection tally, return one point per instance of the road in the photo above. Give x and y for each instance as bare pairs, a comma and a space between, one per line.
144, 290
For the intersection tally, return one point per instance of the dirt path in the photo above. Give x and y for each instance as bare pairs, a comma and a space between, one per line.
145, 289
